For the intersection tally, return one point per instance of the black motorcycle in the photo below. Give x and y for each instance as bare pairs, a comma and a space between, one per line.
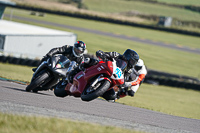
59, 89
49, 73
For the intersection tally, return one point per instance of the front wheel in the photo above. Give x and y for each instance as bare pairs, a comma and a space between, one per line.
59, 90
91, 93
41, 78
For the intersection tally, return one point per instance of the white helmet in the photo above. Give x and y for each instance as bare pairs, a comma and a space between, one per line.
139, 64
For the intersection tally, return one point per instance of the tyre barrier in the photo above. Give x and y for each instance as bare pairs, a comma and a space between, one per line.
151, 78
19, 61
173, 83
3, 59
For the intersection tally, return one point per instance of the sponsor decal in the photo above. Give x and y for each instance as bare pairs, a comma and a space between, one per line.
100, 68
79, 76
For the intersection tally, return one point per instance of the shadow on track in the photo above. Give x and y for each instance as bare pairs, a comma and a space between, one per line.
17, 89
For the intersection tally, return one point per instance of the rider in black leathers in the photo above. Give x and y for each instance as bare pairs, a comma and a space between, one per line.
73, 53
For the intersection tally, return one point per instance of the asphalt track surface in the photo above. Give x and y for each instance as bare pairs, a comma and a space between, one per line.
14, 99
135, 39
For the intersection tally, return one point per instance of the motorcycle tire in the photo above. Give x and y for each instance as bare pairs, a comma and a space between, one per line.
102, 88
37, 81
59, 90
35, 90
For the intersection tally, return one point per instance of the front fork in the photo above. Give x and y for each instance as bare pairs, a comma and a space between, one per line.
98, 79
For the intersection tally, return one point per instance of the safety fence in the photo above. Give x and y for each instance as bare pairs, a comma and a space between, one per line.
153, 77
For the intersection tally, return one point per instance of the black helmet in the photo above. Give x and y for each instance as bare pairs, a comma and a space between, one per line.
79, 48
132, 57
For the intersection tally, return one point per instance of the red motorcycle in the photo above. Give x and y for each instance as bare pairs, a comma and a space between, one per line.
96, 80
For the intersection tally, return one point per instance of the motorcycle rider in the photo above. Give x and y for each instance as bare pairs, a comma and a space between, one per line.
73, 53
134, 80
129, 56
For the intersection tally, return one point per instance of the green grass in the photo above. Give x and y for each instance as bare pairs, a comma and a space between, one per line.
169, 100
142, 33
16, 72
182, 2
143, 7
31, 124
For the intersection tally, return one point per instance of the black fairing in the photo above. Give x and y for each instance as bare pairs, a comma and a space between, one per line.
57, 67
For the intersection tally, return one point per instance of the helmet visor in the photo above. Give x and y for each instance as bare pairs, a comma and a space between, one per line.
132, 62
78, 51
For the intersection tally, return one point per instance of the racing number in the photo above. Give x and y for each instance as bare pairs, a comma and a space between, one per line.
118, 72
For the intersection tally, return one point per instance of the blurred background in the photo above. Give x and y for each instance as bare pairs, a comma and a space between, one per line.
165, 33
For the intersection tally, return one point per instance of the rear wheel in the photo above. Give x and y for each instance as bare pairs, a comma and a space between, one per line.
90, 93
41, 78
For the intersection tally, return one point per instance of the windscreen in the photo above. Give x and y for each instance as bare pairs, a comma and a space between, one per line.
63, 62
121, 64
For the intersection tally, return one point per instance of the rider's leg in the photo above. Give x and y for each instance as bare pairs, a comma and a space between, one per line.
135, 88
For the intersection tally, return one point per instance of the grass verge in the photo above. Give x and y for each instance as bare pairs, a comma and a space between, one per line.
172, 38
10, 123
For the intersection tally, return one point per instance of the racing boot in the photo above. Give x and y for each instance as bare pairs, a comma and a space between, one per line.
131, 93
109, 95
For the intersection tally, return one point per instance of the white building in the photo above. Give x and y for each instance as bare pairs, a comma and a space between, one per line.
28, 41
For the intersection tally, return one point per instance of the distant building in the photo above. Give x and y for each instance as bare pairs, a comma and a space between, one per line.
165, 21
28, 41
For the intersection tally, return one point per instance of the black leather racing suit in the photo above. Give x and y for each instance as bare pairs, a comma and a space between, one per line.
66, 51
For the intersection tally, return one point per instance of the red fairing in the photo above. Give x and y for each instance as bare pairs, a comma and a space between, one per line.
80, 83
102, 67
81, 79
119, 81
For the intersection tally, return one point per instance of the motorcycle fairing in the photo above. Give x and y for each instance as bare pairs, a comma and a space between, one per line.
79, 83
82, 78
117, 74
101, 68
40, 67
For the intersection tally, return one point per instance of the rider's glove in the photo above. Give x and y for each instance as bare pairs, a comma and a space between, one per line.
101, 54
114, 54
